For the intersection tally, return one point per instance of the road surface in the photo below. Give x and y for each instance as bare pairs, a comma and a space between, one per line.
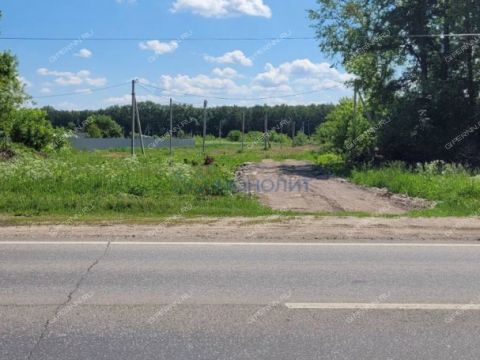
134, 300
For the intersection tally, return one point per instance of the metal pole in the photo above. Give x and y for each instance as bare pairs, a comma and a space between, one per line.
171, 126
265, 135
281, 133
293, 133
205, 104
133, 117
139, 126
243, 131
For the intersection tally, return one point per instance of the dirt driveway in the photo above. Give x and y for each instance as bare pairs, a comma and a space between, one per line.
302, 186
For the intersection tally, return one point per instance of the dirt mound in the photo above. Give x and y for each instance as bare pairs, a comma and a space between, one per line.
302, 186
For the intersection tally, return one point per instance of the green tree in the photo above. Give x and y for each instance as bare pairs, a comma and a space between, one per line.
343, 133
102, 126
300, 139
31, 128
426, 85
234, 135
12, 93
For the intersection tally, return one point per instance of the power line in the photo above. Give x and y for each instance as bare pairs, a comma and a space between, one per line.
241, 99
27, 38
81, 92
192, 39
205, 96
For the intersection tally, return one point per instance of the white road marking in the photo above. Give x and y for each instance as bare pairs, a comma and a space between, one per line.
384, 306
157, 243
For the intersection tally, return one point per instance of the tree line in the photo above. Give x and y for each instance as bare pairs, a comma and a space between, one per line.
188, 120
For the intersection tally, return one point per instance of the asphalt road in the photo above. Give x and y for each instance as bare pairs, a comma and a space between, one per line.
207, 301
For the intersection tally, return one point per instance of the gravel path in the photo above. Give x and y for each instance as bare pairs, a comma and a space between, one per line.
302, 186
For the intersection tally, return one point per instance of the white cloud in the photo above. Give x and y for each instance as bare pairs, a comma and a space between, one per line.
84, 53
45, 90
126, 1
275, 85
233, 57
223, 8
302, 72
225, 72
158, 47
66, 78
127, 99
197, 85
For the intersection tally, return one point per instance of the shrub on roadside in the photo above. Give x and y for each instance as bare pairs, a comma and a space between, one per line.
31, 128
301, 139
331, 162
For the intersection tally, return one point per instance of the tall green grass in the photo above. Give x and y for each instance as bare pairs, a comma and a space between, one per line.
456, 191
111, 183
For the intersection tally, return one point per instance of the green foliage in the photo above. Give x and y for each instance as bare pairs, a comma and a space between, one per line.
255, 137
31, 128
426, 86
300, 139
340, 133
11, 92
234, 135
156, 117
279, 138
456, 192
102, 126
113, 183
60, 139
332, 162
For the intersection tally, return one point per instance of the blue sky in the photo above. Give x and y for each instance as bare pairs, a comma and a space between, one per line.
170, 62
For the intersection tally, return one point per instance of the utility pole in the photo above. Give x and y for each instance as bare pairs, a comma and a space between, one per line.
266, 131
293, 133
133, 117
205, 104
171, 126
281, 133
139, 126
243, 130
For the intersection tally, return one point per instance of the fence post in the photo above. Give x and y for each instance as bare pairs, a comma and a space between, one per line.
243, 130
205, 103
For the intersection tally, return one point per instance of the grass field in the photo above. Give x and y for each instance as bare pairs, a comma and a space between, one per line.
457, 193
72, 186
113, 185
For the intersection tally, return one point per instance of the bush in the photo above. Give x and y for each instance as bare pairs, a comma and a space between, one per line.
102, 126
31, 128
332, 162
254, 137
301, 139
279, 138
60, 138
340, 133
234, 135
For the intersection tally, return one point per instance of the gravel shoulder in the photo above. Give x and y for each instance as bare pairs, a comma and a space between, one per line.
268, 229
